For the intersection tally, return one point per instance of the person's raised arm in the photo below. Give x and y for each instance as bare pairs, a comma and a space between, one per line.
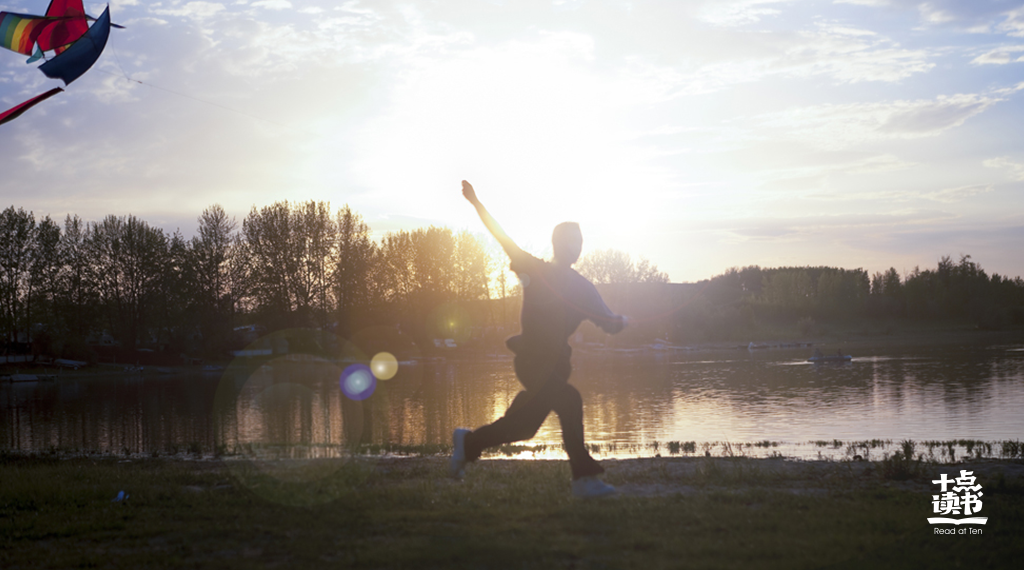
510, 247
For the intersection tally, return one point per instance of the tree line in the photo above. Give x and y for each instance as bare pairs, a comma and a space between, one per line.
66, 288
740, 298
119, 281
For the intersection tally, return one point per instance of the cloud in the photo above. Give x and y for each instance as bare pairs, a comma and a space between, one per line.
958, 194
844, 54
974, 16
931, 117
863, 2
836, 126
1013, 24
1015, 168
194, 10
1000, 56
811, 176
852, 55
243, 41
935, 14
739, 12
273, 4
832, 225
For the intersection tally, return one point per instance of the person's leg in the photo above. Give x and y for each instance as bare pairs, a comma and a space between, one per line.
568, 404
520, 422
526, 413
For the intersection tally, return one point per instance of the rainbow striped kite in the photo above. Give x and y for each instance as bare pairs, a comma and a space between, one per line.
64, 22
63, 31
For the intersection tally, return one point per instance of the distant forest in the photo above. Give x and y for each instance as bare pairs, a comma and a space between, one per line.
750, 298
106, 289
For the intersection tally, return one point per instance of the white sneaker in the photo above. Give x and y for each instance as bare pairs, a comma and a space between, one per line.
591, 486
457, 464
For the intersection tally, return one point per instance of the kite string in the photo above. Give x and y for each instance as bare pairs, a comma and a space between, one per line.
121, 67
186, 96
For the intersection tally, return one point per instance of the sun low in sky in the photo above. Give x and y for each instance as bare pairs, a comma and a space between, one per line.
702, 135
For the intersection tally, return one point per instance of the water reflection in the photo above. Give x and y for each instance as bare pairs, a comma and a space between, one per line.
293, 406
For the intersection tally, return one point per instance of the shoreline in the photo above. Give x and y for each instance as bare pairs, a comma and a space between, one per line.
853, 338
928, 452
644, 476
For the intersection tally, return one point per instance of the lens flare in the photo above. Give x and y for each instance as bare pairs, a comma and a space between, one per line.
290, 433
358, 382
384, 365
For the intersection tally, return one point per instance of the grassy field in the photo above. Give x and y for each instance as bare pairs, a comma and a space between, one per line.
368, 512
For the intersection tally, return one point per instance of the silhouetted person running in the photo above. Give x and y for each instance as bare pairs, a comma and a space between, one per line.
556, 300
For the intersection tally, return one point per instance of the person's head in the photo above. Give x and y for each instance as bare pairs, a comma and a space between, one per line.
567, 242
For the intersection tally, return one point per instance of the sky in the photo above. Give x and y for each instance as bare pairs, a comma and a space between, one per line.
699, 134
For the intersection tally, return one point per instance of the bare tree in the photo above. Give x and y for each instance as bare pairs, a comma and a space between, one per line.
433, 270
76, 294
614, 266
43, 268
210, 250
313, 237
128, 255
471, 268
355, 256
16, 231
269, 260
213, 267
394, 273
289, 252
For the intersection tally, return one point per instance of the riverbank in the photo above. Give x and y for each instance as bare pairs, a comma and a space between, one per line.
848, 337
871, 333
374, 512
48, 372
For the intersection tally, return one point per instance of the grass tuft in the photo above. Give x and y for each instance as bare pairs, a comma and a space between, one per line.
902, 465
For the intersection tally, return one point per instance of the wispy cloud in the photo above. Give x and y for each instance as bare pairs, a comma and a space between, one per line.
1013, 23
1015, 168
975, 16
838, 126
851, 55
273, 4
864, 2
935, 14
740, 12
791, 228
959, 194
194, 10
1000, 56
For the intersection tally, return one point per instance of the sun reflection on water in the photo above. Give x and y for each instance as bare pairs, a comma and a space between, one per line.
293, 406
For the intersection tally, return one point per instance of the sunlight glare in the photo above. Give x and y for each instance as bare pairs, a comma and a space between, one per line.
537, 127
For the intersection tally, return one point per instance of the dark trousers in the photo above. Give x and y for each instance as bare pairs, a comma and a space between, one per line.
547, 391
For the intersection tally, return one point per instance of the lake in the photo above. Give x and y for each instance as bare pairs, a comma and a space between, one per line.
736, 401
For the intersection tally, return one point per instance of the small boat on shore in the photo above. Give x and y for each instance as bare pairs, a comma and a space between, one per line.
72, 364
838, 357
831, 358
29, 377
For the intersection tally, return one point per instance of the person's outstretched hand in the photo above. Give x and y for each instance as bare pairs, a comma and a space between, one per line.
468, 192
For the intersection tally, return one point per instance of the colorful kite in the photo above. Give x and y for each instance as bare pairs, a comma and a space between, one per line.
65, 32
